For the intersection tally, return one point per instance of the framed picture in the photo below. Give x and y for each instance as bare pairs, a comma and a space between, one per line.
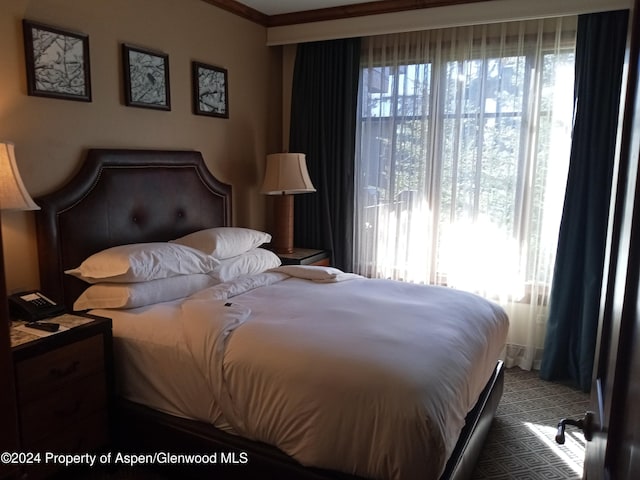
57, 62
146, 78
210, 90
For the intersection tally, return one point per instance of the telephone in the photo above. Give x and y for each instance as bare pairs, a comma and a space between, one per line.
32, 306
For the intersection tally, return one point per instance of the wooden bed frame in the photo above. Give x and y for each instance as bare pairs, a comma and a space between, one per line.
130, 196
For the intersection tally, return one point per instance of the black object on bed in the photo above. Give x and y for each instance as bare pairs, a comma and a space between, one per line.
134, 196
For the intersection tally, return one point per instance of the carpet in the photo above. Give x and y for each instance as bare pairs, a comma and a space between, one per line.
521, 442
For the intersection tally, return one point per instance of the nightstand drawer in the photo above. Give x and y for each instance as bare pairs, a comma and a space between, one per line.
37, 376
324, 262
63, 409
87, 436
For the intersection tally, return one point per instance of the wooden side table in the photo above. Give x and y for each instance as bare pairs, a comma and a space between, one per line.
306, 256
64, 387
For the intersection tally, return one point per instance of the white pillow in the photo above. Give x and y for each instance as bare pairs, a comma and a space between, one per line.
225, 242
252, 262
131, 295
140, 262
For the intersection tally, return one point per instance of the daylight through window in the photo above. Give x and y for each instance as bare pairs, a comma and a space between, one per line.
463, 150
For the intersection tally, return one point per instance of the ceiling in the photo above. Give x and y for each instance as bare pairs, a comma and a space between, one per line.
274, 13
279, 7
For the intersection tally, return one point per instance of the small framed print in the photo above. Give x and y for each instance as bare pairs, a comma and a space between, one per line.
146, 78
210, 90
57, 62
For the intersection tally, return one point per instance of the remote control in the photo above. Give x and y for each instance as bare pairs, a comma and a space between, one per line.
49, 327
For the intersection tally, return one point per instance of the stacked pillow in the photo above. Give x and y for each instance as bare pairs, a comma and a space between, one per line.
236, 249
141, 262
224, 242
135, 275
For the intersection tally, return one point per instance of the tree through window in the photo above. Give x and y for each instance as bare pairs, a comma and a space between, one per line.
463, 149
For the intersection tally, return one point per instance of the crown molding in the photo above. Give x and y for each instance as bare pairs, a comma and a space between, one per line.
332, 13
359, 10
241, 10
441, 16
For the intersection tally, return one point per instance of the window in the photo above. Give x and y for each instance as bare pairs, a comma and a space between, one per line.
463, 149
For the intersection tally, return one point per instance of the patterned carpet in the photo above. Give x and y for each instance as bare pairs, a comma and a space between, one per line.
520, 445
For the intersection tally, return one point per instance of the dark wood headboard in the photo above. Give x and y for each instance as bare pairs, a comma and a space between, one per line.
120, 197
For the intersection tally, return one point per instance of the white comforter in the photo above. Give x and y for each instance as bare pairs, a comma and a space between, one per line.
370, 377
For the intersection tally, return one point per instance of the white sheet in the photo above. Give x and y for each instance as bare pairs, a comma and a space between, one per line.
370, 377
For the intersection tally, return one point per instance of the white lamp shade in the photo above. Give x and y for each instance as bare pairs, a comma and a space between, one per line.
13, 194
286, 173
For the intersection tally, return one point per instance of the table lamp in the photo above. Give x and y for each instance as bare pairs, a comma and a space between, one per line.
13, 196
285, 174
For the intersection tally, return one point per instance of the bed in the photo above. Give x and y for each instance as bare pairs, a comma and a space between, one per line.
265, 415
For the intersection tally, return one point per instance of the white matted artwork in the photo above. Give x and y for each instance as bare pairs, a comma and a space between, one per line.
57, 62
146, 78
210, 90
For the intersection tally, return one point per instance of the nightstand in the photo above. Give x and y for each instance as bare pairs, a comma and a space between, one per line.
305, 256
63, 387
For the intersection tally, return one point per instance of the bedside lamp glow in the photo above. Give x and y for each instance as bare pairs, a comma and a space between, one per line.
13, 194
285, 174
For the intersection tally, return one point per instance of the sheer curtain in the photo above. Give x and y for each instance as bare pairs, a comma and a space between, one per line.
462, 154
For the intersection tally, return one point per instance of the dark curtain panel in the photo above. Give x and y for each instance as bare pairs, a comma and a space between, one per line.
577, 281
323, 126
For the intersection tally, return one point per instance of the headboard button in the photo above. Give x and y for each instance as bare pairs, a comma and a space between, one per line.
139, 218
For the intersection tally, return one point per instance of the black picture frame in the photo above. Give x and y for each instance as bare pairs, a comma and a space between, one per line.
57, 62
210, 90
146, 78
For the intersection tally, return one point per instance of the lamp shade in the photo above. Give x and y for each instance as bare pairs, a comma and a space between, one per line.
13, 194
286, 173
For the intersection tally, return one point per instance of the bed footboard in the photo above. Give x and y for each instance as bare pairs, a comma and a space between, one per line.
142, 429
463, 460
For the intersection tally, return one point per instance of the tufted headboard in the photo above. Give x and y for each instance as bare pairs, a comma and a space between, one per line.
119, 197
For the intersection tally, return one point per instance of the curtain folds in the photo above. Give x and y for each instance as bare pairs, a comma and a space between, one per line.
323, 123
462, 154
575, 299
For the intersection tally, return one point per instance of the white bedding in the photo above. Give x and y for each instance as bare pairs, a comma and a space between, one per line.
370, 377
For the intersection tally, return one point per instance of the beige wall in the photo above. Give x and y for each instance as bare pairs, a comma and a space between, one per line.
52, 135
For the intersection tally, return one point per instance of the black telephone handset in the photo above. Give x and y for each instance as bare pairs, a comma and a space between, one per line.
32, 306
